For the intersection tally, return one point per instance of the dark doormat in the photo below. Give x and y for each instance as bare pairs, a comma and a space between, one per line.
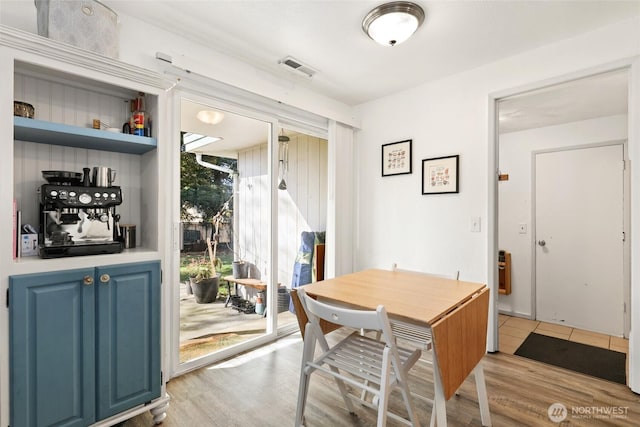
586, 359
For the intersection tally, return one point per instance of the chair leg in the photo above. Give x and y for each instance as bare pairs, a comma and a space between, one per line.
408, 401
385, 390
343, 391
483, 402
309, 345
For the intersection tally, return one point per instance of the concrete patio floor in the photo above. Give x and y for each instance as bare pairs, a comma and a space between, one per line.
204, 320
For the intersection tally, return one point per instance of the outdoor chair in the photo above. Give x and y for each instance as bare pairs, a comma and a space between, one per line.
376, 366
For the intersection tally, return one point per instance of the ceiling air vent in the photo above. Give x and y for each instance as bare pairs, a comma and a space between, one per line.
293, 64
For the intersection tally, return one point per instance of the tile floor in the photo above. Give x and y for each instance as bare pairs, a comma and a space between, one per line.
514, 330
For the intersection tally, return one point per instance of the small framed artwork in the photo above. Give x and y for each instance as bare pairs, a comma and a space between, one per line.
440, 175
396, 158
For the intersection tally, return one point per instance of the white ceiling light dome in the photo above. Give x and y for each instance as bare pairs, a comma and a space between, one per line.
392, 23
210, 117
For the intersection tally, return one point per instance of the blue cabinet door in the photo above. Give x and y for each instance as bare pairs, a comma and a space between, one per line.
128, 341
52, 348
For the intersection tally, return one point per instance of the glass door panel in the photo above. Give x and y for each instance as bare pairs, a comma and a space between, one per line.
225, 212
302, 215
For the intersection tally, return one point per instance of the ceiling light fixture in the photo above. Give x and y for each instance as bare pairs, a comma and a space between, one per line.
210, 117
392, 23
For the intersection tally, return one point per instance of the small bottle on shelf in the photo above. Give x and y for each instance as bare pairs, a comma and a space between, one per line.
138, 117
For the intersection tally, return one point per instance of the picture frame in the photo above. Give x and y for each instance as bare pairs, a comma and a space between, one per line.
440, 175
396, 158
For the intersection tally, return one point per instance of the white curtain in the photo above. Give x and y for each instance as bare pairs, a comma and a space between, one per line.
341, 205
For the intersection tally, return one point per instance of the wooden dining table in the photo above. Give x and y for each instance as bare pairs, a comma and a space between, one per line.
455, 311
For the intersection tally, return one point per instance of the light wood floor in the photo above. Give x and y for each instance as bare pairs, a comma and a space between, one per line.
514, 330
260, 389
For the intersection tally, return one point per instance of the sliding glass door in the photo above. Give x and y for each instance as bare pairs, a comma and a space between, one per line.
225, 217
250, 213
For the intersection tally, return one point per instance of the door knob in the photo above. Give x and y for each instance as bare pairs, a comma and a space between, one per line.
542, 242
87, 280
105, 278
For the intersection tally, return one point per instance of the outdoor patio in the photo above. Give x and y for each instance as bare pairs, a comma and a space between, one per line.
207, 327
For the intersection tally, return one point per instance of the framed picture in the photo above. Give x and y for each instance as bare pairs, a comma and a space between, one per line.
440, 175
396, 158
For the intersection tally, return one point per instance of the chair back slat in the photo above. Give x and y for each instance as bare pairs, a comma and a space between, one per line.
358, 319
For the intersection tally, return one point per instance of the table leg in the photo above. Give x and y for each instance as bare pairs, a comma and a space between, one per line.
483, 402
439, 402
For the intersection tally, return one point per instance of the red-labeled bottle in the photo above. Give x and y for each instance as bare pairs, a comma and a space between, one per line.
138, 117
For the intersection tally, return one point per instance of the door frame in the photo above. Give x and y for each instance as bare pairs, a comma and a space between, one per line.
220, 95
632, 65
270, 333
626, 206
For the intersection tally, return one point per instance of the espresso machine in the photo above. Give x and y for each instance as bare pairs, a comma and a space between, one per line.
78, 218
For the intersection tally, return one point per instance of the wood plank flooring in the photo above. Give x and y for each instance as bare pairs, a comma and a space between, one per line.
261, 387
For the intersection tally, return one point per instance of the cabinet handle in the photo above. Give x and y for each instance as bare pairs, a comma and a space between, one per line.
88, 280
105, 278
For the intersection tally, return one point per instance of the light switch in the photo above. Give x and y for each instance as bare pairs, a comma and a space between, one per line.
522, 228
474, 225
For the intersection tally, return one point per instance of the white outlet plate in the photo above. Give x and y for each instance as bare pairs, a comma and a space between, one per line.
522, 228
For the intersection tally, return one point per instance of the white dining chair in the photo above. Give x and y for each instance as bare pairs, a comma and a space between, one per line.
377, 366
418, 336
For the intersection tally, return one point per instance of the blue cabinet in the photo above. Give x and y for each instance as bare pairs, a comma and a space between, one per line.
84, 344
128, 338
52, 349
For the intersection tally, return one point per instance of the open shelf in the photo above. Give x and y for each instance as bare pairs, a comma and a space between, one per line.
73, 136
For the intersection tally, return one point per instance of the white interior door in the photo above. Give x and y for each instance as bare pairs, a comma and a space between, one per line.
579, 238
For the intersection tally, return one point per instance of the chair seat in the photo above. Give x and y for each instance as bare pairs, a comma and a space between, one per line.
361, 357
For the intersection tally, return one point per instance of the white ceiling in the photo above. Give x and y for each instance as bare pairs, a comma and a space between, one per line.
583, 99
456, 36
327, 36
237, 132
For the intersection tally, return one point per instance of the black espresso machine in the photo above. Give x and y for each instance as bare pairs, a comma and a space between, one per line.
78, 218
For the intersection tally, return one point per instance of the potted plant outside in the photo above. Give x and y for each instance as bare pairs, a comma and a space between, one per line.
205, 281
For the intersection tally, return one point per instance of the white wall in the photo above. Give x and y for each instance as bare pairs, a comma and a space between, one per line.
515, 194
451, 116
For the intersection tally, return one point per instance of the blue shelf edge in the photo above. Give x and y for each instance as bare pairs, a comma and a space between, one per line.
44, 132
